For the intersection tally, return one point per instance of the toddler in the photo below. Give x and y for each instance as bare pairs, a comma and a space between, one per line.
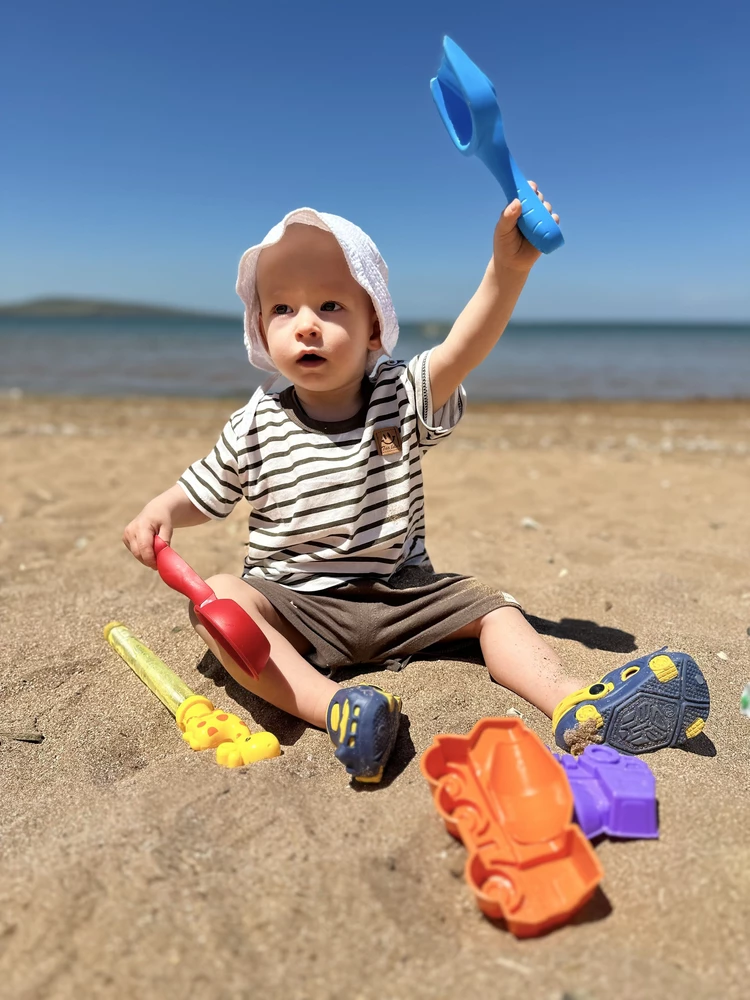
336, 571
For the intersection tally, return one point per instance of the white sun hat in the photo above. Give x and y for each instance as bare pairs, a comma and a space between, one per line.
365, 263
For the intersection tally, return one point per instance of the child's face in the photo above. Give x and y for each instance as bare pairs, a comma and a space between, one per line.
317, 322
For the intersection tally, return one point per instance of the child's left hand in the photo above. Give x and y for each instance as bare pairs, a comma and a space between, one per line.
512, 251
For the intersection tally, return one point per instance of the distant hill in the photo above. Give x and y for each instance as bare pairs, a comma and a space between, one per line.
80, 308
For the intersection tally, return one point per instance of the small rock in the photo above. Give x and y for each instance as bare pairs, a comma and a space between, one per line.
509, 963
514, 712
608, 605
563, 572
748, 630
178, 628
722, 655
81, 543
530, 523
550, 559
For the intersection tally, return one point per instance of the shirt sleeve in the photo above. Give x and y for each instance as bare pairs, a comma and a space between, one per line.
433, 427
213, 483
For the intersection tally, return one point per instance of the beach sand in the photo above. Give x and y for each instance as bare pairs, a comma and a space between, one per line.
132, 867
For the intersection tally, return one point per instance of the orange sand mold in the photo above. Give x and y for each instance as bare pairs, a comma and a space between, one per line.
501, 792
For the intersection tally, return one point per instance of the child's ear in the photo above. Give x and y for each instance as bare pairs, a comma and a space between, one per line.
375, 341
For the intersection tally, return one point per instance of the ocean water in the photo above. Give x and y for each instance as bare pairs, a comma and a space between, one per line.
198, 357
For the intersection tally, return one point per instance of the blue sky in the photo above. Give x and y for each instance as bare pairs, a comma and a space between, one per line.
146, 145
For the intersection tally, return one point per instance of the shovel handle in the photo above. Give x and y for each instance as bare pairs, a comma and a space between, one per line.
176, 573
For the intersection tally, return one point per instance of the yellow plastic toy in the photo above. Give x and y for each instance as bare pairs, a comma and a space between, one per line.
202, 726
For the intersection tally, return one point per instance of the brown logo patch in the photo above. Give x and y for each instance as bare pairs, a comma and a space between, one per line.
388, 440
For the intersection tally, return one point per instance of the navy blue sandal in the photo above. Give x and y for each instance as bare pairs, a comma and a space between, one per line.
363, 722
659, 700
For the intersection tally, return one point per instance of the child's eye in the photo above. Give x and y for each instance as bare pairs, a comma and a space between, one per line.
330, 306
279, 310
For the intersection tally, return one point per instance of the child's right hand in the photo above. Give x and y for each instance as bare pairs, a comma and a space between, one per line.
160, 516
139, 534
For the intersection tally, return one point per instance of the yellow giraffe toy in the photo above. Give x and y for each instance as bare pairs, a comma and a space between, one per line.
202, 726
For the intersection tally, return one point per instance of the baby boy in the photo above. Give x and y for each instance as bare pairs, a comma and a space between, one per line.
336, 571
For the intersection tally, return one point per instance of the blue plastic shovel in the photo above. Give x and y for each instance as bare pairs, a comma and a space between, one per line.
467, 103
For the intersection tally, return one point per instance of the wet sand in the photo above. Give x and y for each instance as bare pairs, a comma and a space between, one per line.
131, 866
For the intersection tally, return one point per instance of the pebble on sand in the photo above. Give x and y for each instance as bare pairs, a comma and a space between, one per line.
530, 523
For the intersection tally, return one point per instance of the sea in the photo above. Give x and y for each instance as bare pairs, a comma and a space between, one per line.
191, 356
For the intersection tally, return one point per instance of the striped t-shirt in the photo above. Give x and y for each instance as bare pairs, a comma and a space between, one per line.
327, 507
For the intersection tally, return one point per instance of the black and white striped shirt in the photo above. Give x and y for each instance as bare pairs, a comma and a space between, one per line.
327, 507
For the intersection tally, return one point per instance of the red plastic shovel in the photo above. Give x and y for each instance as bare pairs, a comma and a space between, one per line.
224, 620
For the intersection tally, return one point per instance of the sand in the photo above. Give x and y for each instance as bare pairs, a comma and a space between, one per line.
133, 867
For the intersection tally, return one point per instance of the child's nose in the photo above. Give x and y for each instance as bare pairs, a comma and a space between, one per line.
307, 322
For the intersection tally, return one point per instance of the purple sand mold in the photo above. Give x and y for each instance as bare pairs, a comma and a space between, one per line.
613, 793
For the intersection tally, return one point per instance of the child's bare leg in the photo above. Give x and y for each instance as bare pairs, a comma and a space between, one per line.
289, 682
518, 658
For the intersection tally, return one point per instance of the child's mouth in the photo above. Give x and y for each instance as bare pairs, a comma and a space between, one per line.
311, 361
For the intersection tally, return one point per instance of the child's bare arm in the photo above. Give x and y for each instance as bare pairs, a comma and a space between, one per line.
483, 320
160, 516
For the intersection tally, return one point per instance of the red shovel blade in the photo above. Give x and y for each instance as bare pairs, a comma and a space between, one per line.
224, 620
235, 631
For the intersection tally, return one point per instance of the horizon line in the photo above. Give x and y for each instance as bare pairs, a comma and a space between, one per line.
49, 301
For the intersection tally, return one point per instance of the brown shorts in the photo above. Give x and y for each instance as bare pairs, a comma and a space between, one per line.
379, 620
